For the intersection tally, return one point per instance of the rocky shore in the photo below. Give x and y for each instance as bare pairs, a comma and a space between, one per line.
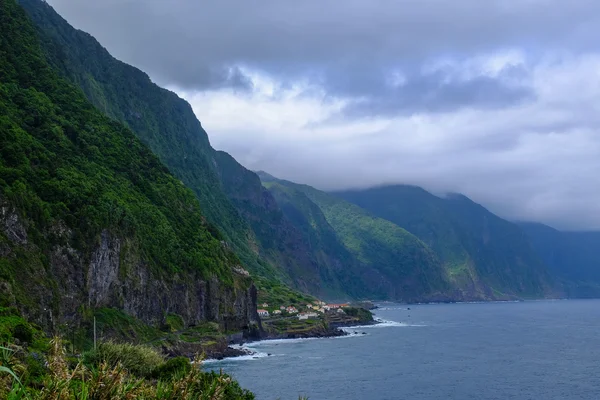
328, 326
219, 346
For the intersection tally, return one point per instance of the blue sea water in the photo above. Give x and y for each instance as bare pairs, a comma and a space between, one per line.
540, 350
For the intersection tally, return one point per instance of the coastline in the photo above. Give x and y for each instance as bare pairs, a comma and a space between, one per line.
236, 349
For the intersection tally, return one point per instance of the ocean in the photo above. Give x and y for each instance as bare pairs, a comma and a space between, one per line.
535, 350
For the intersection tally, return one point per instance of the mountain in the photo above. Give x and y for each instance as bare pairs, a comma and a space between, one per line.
486, 256
376, 258
231, 197
90, 219
574, 257
285, 239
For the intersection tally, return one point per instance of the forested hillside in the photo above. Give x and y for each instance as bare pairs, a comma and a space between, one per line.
485, 256
90, 218
231, 197
302, 238
379, 259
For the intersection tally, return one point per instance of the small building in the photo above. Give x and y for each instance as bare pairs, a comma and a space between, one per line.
265, 305
276, 312
309, 306
340, 311
282, 308
336, 306
291, 310
263, 313
307, 315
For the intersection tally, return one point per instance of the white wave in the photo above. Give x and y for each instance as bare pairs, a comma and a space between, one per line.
381, 323
248, 357
391, 309
276, 342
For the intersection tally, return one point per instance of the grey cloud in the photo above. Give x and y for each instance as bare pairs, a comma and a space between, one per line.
211, 79
555, 190
190, 43
436, 92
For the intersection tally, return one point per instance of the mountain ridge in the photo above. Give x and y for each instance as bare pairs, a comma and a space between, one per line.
387, 260
91, 219
483, 252
167, 124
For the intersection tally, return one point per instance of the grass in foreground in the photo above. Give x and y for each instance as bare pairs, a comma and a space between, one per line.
114, 371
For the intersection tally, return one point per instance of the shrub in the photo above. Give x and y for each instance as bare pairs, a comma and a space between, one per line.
23, 333
138, 360
171, 368
34, 363
174, 323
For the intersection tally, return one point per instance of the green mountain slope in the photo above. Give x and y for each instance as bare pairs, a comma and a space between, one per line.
487, 257
279, 240
574, 257
89, 217
159, 117
378, 258
231, 197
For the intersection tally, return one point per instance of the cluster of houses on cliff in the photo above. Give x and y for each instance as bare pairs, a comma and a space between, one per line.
312, 310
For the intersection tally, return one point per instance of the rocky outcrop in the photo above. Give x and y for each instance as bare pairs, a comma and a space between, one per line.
113, 275
11, 225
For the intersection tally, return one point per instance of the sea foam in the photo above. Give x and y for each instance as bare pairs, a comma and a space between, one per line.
381, 323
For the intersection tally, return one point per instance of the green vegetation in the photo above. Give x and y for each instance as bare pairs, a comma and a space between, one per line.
112, 374
174, 322
12, 325
168, 126
113, 323
360, 313
336, 263
275, 294
139, 360
33, 367
63, 164
69, 176
382, 259
293, 326
484, 256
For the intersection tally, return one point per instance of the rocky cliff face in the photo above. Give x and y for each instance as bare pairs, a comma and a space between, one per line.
113, 275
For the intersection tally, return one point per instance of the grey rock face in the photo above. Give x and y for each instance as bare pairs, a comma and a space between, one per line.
11, 224
113, 275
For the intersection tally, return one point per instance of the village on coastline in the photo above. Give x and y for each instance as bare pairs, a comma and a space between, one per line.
314, 310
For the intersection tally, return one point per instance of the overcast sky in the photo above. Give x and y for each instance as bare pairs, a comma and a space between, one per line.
495, 99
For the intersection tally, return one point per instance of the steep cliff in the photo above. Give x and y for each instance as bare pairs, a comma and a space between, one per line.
90, 218
381, 260
167, 124
231, 196
573, 257
486, 257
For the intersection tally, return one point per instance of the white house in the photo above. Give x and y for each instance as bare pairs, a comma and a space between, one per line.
263, 313
276, 312
307, 315
291, 310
